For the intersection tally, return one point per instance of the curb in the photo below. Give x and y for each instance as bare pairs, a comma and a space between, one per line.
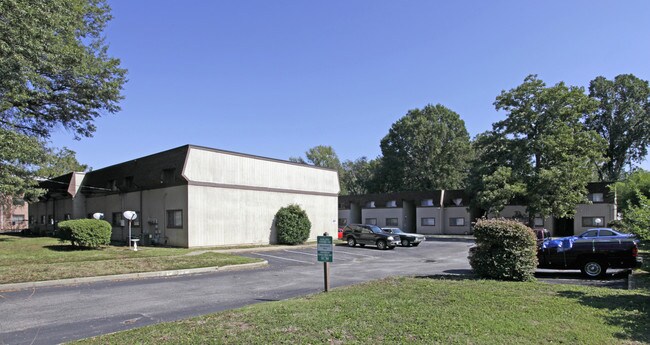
129, 276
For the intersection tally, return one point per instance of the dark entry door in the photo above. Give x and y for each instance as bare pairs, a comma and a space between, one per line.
563, 227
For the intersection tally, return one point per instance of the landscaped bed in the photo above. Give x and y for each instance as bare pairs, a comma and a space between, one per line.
28, 259
421, 310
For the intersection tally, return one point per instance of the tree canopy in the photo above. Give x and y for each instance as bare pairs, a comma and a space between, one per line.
59, 162
55, 73
426, 149
542, 143
623, 120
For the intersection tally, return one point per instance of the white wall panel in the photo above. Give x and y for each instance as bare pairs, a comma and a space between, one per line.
226, 216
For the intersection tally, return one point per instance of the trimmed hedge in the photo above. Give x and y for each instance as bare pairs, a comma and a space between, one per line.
505, 250
92, 233
292, 225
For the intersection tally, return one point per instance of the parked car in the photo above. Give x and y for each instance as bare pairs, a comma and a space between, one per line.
591, 255
363, 234
603, 234
407, 239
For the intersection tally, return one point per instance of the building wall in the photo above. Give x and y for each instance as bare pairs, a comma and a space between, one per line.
229, 170
429, 212
345, 214
9, 216
226, 216
233, 198
608, 211
151, 226
381, 214
456, 212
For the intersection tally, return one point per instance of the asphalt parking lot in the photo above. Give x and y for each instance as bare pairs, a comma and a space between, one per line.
448, 251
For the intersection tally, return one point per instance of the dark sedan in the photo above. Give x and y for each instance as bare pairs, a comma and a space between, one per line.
407, 239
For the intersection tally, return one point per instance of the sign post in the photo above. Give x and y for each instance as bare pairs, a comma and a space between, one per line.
324, 251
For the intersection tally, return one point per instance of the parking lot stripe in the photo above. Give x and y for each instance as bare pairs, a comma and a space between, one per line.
303, 253
281, 258
349, 253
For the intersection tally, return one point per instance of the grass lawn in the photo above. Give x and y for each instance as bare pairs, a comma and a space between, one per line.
26, 259
421, 310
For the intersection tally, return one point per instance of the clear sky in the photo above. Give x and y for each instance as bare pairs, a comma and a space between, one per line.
275, 78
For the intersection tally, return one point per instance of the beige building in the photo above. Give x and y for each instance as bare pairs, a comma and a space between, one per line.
193, 196
13, 217
446, 212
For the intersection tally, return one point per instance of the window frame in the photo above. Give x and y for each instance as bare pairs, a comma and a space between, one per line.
453, 221
371, 221
593, 223
173, 224
391, 223
422, 223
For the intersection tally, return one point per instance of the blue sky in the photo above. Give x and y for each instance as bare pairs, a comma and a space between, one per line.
275, 78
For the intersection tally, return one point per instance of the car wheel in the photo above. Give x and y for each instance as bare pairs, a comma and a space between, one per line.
593, 268
351, 242
381, 244
405, 243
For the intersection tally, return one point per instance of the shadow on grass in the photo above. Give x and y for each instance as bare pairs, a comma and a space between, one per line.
67, 248
451, 275
636, 325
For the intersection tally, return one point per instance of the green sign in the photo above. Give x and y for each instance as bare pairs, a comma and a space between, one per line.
324, 248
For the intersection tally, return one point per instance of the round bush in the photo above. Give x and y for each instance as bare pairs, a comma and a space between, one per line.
292, 225
505, 250
90, 233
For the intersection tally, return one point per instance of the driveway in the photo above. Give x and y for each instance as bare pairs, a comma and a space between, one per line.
59, 314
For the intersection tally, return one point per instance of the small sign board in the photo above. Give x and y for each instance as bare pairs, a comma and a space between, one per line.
324, 248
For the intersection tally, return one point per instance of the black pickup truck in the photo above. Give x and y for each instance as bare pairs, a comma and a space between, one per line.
591, 256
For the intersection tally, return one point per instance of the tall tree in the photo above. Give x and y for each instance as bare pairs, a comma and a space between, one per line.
623, 119
59, 162
358, 176
545, 145
54, 73
426, 149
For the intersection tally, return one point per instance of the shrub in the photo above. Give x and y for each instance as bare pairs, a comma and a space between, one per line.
292, 225
505, 250
91, 233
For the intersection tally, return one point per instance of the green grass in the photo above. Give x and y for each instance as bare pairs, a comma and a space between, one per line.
642, 276
27, 259
421, 310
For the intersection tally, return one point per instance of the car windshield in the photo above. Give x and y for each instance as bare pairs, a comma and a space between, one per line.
375, 229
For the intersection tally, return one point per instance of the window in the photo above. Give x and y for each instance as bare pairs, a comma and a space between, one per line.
17, 219
595, 197
428, 221
168, 176
458, 201
391, 222
371, 221
370, 204
392, 203
67, 216
32, 220
50, 219
42, 219
593, 221
117, 219
426, 202
539, 221
457, 221
343, 221
175, 218
112, 185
